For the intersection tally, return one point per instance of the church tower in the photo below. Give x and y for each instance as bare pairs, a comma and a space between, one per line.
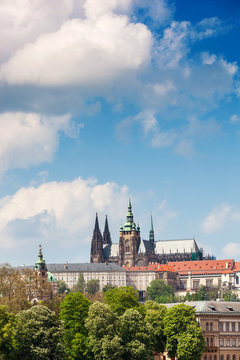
129, 240
106, 234
97, 244
40, 265
151, 232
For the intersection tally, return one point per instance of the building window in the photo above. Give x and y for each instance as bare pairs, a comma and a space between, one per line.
215, 357
210, 357
211, 326
211, 341
234, 357
233, 342
239, 328
227, 342
205, 357
195, 284
228, 357
220, 326
227, 326
207, 326
209, 283
233, 326
222, 357
237, 280
221, 342
207, 341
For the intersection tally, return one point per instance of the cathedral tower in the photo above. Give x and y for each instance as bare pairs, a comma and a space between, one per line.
97, 245
129, 240
106, 234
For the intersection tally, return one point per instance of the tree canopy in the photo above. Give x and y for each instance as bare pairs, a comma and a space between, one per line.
39, 335
122, 298
160, 292
179, 322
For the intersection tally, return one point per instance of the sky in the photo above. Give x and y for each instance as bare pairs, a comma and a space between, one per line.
102, 101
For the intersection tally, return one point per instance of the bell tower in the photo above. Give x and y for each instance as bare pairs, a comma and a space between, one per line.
129, 240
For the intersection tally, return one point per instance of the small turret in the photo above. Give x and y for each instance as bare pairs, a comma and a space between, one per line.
40, 264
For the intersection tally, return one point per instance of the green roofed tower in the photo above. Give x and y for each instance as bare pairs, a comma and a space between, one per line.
151, 232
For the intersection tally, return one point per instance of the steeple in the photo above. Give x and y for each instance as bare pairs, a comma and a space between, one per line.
40, 264
151, 232
97, 244
130, 224
106, 234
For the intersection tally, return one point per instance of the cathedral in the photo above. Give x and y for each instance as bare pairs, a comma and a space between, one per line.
132, 250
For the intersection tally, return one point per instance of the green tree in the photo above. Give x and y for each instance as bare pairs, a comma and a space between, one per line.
101, 324
122, 298
93, 286
191, 344
62, 287
74, 311
114, 337
177, 322
80, 285
154, 319
135, 336
160, 292
228, 295
7, 334
108, 287
39, 335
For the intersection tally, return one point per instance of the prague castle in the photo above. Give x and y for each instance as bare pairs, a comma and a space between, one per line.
132, 250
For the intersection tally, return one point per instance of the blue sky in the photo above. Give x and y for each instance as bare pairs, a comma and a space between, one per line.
102, 101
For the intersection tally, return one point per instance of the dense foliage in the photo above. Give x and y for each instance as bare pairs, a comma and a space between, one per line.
116, 327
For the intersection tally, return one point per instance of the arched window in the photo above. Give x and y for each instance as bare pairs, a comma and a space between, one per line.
210, 357
215, 357
222, 357
211, 326
234, 357
228, 357
205, 357
207, 326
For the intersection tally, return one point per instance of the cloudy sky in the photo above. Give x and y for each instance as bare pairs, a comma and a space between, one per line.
105, 100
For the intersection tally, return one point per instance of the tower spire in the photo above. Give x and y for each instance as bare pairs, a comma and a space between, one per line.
106, 233
151, 232
97, 244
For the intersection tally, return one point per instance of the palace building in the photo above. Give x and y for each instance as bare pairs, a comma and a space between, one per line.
132, 250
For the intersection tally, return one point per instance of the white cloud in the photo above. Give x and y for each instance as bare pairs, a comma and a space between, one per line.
91, 50
235, 118
216, 219
59, 211
231, 250
30, 139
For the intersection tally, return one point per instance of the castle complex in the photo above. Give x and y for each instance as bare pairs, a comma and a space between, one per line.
132, 250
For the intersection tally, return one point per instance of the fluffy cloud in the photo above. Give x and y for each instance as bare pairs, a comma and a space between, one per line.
29, 139
216, 218
235, 118
59, 211
84, 50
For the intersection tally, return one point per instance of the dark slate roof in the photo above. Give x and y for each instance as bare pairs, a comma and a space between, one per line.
213, 307
77, 267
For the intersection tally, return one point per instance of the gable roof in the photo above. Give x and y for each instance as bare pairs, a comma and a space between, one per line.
176, 246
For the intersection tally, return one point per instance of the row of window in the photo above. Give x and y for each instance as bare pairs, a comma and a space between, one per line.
227, 342
224, 326
222, 357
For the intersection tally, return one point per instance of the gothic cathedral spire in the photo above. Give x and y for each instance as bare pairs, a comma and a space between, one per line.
97, 244
106, 234
151, 232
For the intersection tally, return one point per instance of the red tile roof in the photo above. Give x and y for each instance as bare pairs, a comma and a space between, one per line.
151, 267
203, 266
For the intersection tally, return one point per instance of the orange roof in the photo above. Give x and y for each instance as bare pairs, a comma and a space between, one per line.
151, 267
236, 266
203, 266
